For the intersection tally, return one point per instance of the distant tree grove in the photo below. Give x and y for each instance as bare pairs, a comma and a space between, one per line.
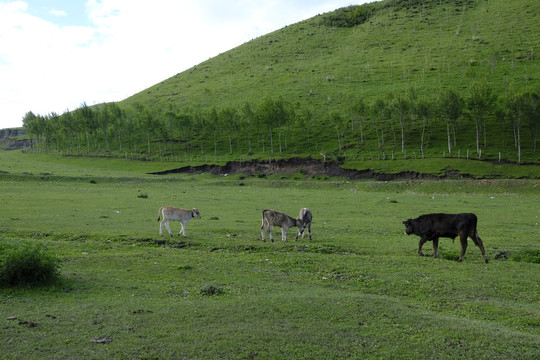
397, 124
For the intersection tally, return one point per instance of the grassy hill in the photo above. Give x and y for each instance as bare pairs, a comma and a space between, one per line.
363, 82
426, 46
404, 46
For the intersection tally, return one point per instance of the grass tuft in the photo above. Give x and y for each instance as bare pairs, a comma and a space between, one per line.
528, 255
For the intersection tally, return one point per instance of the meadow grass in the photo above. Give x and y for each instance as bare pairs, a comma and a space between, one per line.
357, 290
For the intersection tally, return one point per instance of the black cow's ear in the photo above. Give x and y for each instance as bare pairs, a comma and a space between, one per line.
405, 222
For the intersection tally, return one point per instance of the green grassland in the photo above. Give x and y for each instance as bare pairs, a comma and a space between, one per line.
357, 290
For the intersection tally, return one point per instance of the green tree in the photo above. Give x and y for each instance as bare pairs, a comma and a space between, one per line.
450, 106
227, 117
400, 110
248, 117
379, 111
146, 121
87, 119
516, 108
480, 103
359, 110
532, 115
67, 126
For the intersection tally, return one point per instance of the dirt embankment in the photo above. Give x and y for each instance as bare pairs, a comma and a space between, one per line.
8, 141
308, 167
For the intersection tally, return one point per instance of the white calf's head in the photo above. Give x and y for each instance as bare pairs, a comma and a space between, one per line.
196, 213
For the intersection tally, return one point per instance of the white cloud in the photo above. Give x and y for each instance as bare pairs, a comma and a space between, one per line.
125, 47
58, 12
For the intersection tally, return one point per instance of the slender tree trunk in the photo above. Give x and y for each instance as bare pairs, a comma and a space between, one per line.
249, 139
215, 146
477, 138
279, 137
402, 124
449, 138
361, 126
230, 140
485, 134
423, 134
519, 144
107, 148
271, 141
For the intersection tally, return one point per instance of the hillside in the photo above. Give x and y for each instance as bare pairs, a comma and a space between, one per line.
387, 80
427, 46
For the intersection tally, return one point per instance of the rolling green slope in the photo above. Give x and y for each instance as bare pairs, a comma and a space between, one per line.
426, 46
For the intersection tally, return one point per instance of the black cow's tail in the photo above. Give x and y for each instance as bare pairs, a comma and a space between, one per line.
476, 236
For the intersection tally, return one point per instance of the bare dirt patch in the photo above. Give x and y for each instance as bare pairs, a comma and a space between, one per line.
308, 167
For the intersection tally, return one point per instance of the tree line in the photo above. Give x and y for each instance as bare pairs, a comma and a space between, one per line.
393, 122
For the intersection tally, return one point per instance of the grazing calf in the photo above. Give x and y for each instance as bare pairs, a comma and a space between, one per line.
170, 213
305, 216
433, 226
276, 218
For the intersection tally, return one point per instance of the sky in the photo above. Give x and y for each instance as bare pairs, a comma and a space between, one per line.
57, 54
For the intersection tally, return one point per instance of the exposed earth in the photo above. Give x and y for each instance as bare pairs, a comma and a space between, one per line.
308, 167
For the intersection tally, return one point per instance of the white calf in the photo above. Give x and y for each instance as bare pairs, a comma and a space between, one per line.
276, 218
305, 216
170, 213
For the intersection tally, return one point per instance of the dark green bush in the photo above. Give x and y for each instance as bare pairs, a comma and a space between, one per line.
348, 16
211, 290
27, 264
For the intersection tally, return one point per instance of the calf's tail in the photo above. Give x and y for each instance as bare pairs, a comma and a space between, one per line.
263, 221
159, 213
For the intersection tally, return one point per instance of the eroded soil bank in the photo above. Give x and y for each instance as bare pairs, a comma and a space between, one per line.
308, 167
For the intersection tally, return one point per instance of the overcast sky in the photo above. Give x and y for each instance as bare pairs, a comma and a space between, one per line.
57, 54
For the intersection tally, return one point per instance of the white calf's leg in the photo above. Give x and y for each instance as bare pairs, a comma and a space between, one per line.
270, 233
168, 227
183, 230
283, 234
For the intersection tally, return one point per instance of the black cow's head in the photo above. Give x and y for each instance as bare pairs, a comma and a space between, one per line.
409, 228
301, 226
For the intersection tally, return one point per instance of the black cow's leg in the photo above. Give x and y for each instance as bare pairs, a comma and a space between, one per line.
420, 244
435, 247
479, 243
463, 240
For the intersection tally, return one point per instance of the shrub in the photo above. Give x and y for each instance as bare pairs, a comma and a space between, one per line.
27, 264
348, 16
211, 290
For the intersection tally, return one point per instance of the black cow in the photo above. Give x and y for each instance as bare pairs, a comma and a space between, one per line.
433, 226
